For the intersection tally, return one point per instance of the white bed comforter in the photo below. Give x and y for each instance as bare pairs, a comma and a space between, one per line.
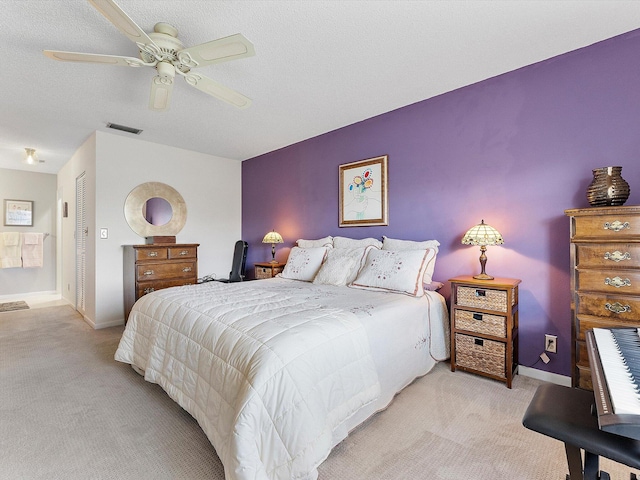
268, 375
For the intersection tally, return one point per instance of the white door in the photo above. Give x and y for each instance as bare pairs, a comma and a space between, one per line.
81, 242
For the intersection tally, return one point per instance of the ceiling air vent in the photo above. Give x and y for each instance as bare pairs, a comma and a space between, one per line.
124, 128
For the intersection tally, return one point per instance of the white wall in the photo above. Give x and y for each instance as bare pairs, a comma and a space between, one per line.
41, 189
210, 186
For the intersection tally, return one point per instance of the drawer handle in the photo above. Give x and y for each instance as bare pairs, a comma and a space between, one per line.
478, 341
617, 282
616, 226
186, 269
152, 254
148, 272
617, 307
481, 293
617, 256
477, 316
149, 290
184, 252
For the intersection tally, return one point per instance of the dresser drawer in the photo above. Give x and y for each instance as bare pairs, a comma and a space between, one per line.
612, 255
484, 298
587, 322
182, 252
620, 307
162, 271
480, 323
611, 281
608, 227
480, 354
147, 287
159, 253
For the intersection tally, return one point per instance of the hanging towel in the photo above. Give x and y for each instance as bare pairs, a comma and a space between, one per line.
10, 250
32, 252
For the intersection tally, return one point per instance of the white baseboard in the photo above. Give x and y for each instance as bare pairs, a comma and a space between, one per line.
545, 376
21, 296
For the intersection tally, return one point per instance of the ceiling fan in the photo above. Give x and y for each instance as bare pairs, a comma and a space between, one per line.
162, 50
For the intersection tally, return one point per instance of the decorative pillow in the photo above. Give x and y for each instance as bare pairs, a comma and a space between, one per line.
304, 263
395, 271
344, 242
401, 245
321, 242
341, 266
395, 244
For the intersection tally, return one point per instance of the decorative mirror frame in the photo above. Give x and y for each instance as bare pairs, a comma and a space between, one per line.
138, 197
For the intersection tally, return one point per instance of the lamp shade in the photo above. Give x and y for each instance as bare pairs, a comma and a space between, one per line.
272, 237
482, 234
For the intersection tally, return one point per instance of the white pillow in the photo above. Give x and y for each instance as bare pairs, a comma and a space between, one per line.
341, 266
321, 242
401, 245
395, 271
344, 242
304, 263
395, 244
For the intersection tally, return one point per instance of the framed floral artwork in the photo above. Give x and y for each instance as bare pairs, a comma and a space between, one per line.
363, 193
18, 212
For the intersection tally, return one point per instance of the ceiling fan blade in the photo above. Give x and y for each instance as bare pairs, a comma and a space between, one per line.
122, 22
94, 58
162, 87
215, 89
217, 51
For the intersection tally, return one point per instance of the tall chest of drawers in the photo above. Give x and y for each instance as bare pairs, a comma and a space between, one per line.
148, 268
605, 277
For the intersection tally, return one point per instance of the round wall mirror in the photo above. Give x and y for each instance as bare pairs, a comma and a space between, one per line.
169, 211
157, 211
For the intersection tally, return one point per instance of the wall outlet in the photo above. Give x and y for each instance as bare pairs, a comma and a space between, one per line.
551, 343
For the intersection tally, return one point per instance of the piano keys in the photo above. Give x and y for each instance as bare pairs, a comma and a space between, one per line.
614, 356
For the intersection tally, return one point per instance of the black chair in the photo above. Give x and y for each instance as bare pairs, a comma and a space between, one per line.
239, 260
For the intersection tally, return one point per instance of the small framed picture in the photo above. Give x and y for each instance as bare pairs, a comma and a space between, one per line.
363, 193
18, 213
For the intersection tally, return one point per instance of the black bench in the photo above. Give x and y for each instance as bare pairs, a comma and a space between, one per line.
565, 414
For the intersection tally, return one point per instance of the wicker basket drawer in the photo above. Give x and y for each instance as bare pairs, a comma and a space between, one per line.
481, 323
485, 298
480, 354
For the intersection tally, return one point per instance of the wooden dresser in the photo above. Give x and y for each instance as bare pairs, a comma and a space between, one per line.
605, 277
153, 267
484, 326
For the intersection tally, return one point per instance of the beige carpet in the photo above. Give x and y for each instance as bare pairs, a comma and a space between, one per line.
69, 411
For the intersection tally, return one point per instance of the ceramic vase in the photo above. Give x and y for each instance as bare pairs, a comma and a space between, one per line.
607, 188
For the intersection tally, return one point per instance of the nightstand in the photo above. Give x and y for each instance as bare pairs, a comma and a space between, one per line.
484, 326
267, 270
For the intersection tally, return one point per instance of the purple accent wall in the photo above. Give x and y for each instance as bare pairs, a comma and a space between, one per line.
515, 150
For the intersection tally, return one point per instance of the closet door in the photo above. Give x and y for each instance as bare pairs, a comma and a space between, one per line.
81, 242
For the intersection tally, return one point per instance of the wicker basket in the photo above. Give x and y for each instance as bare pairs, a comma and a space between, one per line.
482, 298
480, 354
481, 323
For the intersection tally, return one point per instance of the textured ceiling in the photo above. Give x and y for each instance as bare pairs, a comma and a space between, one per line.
319, 65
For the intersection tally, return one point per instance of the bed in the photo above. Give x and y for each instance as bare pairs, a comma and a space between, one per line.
277, 372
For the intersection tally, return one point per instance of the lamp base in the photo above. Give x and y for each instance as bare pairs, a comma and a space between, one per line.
483, 276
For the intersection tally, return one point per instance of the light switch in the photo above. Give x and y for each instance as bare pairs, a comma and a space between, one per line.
104, 233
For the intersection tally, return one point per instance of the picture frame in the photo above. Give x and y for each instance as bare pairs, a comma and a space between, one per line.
363, 192
18, 213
